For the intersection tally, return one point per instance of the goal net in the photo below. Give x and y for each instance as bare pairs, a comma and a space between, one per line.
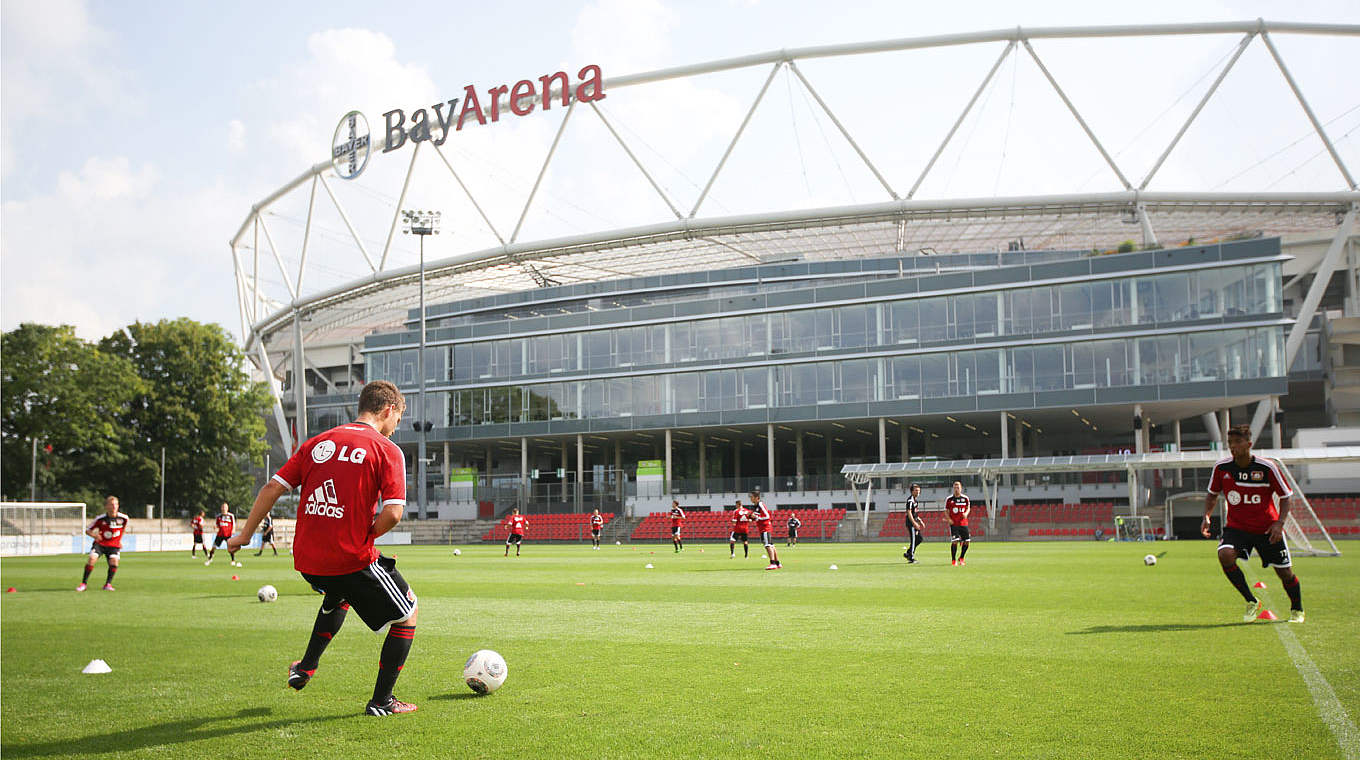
1133, 528
38, 527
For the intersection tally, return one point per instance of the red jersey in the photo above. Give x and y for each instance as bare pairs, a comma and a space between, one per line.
596, 522
677, 516
741, 520
957, 507
226, 525
762, 517
197, 524
1250, 491
518, 524
110, 529
347, 474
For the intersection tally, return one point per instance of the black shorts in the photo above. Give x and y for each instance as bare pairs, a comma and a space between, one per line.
959, 533
514, 538
793, 533
766, 538
675, 530
198, 538
595, 532
267, 538
1272, 555
219, 540
107, 551
738, 537
378, 593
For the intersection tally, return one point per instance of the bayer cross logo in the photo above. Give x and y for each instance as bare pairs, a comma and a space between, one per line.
349, 147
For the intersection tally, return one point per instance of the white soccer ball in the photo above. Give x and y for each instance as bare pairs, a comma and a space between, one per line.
1149, 560
618, 543
457, 552
267, 593
485, 671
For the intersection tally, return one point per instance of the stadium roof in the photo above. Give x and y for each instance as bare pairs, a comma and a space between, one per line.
905, 223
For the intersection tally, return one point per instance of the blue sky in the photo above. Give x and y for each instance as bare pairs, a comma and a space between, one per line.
136, 135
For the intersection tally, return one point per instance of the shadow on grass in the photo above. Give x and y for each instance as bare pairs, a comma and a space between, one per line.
458, 695
1153, 628
161, 735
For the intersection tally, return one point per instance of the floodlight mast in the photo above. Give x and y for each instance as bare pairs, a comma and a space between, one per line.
421, 224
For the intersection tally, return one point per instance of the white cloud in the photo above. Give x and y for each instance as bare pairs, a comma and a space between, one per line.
236, 136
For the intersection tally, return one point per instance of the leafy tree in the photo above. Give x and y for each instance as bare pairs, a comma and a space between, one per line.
199, 403
71, 397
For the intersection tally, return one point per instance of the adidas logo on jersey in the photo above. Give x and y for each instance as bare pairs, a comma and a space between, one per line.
323, 502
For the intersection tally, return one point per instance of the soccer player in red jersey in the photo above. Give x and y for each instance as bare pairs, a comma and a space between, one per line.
596, 524
741, 526
764, 524
226, 525
353, 489
958, 506
519, 525
677, 522
197, 525
1251, 485
107, 531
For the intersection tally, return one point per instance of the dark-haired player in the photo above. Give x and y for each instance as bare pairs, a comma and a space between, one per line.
226, 525
741, 529
677, 522
196, 524
107, 531
793, 525
519, 525
346, 474
764, 524
958, 506
596, 525
267, 534
1251, 486
915, 528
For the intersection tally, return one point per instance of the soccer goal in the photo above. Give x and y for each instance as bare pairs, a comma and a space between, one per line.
1133, 528
41, 527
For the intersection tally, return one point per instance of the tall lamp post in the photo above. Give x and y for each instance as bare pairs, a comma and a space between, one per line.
421, 224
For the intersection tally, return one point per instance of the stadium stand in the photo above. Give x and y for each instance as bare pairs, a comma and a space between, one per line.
817, 523
936, 523
570, 526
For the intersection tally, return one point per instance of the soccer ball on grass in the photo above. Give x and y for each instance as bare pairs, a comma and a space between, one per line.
457, 552
267, 593
1150, 560
485, 671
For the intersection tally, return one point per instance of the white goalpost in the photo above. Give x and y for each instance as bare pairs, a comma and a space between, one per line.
41, 527
1133, 528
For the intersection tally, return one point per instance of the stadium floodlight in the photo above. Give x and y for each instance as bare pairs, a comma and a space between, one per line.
421, 224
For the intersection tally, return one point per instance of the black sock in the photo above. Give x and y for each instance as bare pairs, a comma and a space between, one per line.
394, 651
86, 576
1295, 595
954, 552
108, 580
1239, 582
963, 551
323, 630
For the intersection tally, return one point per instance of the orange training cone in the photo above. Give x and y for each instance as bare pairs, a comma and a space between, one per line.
9, 590
1259, 584
236, 577
1266, 615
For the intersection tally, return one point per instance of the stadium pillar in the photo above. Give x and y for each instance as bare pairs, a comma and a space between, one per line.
703, 463
830, 472
1019, 440
769, 457
1005, 444
444, 467
1176, 431
299, 382
1225, 422
669, 487
580, 467
618, 469
1138, 426
1211, 427
736, 465
798, 458
523, 473
882, 441
1276, 428
906, 442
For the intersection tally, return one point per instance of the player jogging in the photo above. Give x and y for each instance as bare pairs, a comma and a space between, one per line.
741, 526
1251, 486
226, 525
346, 474
107, 531
958, 506
518, 527
197, 525
793, 525
763, 524
596, 524
915, 527
677, 522
267, 534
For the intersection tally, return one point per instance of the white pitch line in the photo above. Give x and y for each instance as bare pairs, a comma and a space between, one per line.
1329, 708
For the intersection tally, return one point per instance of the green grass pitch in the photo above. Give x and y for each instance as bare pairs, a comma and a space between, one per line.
1065, 650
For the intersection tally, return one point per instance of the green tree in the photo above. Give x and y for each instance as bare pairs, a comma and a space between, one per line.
200, 404
67, 394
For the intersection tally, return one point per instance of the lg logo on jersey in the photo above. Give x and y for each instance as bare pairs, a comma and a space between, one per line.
324, 450
1235, 498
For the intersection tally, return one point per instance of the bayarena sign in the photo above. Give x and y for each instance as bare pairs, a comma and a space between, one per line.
351, 142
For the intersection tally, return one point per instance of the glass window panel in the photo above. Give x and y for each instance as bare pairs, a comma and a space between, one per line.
1081, 373
708, 338
1049, 370
1208, 356
646, 395
987, 370
540, 402
824, 328
685, 392
961, 324
618, 398
826, 383
1173, 298
855, 323
732, 342
754, 390
906, 323
857, 381
1110, 363
1021, 379
934, 375
934, 319
519, 411
985, 317
906, 376
1075, 305
756, 335
599, 350
797, 384
802, 331
593, 400
497, 405
462, 363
